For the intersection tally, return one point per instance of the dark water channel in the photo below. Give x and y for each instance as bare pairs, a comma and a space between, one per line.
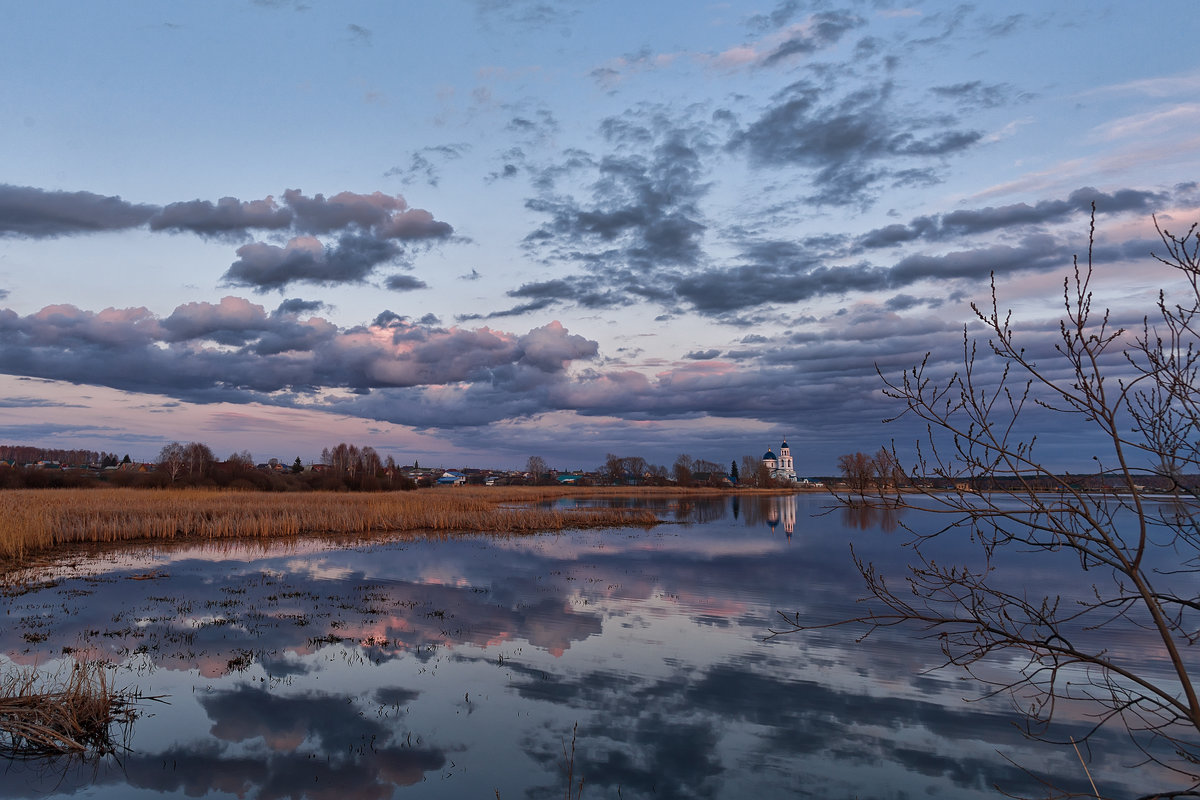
465, 666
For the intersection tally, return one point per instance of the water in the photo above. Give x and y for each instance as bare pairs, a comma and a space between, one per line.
474, 665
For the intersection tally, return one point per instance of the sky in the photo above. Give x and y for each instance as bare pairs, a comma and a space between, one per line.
471, 231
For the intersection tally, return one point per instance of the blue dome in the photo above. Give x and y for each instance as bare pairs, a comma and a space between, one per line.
783, 445
769, 455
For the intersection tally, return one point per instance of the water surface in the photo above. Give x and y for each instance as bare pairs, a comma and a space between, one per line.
463, 666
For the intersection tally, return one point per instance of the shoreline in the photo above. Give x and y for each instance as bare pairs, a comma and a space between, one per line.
37, 522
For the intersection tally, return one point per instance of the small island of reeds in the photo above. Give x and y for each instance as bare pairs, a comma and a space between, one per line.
35, 522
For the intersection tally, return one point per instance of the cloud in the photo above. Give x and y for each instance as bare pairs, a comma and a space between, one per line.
1168, 120
819, 31
424, 164
851, 145
404, 283
978, 95
227, 216
643, 210
551, 348
297, 306
263, 266
529, 13
359, 34
387, 216
231, 321
38, 213
235, 351
972, 222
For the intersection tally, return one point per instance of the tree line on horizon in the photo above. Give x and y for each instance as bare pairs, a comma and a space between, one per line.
343, 467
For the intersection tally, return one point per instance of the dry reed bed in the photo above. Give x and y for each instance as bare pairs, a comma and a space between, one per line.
34, 521
43, 716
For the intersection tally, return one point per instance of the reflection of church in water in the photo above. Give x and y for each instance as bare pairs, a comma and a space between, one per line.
782, 509
780, 467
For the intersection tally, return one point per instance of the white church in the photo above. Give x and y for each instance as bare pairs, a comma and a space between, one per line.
780, 467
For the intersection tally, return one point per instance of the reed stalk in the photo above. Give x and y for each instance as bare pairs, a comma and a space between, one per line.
44, 716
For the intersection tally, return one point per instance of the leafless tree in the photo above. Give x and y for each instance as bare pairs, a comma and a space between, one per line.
198, 459
371, 463
172, 460
1136, 393
682, 470
536, 467
241, 460
859, 470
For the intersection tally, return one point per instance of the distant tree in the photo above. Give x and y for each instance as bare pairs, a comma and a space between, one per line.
242, 460
172, 460
536, 467
858, 470
613, 469
749, 471
297, 466
617, 469
682, 470
198, 459
126, 460
733, 471
371, 464
888, 472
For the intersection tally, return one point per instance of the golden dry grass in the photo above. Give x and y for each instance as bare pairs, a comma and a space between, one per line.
43, 716
35, 521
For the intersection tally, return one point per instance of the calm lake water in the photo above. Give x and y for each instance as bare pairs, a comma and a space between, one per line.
473, 665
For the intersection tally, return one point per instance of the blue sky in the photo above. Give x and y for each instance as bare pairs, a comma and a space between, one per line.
472, 231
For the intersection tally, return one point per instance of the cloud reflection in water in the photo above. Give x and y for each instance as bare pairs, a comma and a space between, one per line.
458, 666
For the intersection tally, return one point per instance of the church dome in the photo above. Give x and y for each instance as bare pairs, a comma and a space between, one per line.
769, 456
783, 446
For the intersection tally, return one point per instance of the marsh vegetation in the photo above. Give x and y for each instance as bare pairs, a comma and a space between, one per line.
36, 521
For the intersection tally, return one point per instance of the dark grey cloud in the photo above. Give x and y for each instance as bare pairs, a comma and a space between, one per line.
1035, 253
227, 216
773, 273
386, 216
263, 266
853, 144
643, 210
703, 355
404, 283
373, 229
359, 34
295, 305
506, 171
972, 222
40, 213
